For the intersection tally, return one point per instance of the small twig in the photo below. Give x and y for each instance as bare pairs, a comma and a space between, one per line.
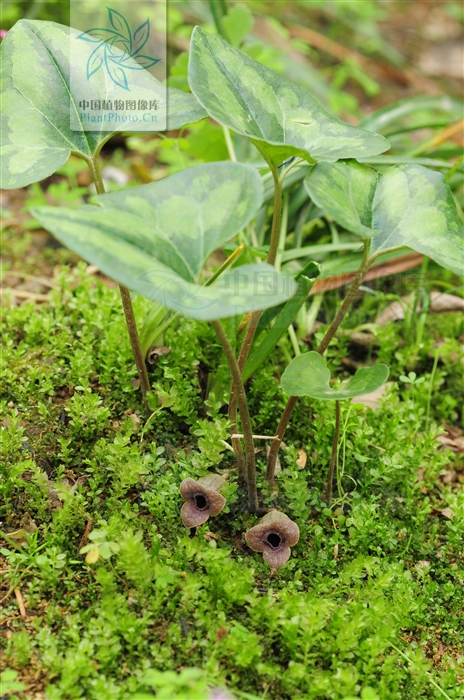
20, 599
23, 294
8, 619
45, 281
131, 324
86, 534
256, 437
229, 447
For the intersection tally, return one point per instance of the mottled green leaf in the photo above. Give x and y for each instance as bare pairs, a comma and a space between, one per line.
155, 238
37, 101
308, 375
345, 190
279, 117
413, 206
182, 219
408, 205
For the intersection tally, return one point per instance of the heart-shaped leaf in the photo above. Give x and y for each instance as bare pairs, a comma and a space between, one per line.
280, 118
37, 100
348, 188
408, 205
155, 239
308, 375
182, 219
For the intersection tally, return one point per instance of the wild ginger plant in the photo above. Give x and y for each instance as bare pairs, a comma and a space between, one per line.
156, 239
37, 106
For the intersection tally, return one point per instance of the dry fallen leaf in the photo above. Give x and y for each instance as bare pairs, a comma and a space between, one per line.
422, 565
447, 513
211, 536
92, 556
439, 303
455, 444
365, 340
155, 352
135, 421
449, 476
302, 459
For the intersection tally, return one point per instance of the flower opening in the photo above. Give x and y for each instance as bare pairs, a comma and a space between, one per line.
274, 536
202, 499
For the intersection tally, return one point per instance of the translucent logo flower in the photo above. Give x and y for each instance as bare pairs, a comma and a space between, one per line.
117, 49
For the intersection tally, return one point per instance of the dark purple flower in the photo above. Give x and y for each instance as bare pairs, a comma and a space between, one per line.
202, 499
274, 536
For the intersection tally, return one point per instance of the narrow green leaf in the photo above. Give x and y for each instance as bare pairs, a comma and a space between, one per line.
280, 118
152, 324
308, 375
281, 324
408, 205
37, 102
393, 113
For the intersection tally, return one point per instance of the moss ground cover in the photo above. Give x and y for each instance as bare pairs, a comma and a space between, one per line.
369, 605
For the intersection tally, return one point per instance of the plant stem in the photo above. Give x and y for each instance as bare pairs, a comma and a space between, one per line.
273, 452
291, 403
333, 456
348, 300
135, 342
273, 246
229, 144
126, 304
276, 217
254, 320
431, 679
218, 10
244, 415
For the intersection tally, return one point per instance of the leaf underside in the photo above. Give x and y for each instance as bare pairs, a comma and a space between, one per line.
37, 138
407, 205
308, 375
280, 118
